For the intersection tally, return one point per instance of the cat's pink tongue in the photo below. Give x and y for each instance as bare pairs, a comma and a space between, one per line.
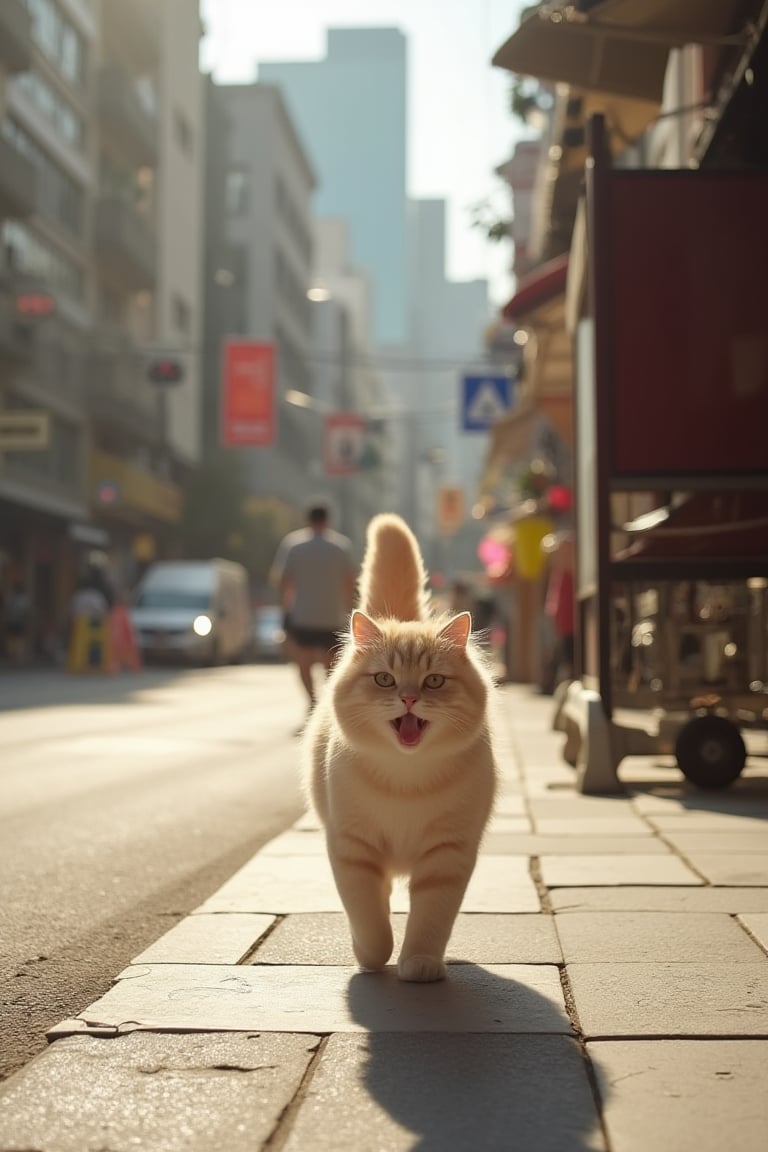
409, 730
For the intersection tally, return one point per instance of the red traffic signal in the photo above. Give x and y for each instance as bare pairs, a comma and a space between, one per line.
35, 304
166, 372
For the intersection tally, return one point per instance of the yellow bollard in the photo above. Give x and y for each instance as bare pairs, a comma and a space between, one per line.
89, 645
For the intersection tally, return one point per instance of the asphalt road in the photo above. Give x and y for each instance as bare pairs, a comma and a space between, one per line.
125, 802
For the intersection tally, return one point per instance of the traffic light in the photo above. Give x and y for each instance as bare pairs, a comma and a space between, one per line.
166, 371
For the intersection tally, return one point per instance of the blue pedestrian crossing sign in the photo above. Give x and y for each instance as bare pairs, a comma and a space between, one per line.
484, 398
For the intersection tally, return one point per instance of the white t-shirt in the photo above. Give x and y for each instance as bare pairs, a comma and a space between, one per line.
319, 566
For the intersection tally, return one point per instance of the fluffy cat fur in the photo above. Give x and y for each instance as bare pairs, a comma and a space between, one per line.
398, 759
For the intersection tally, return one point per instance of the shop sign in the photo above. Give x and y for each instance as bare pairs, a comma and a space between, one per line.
22, 431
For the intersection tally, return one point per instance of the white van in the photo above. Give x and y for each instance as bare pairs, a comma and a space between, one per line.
193, 610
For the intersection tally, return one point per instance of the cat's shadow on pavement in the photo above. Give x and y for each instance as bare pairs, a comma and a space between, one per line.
459, 1090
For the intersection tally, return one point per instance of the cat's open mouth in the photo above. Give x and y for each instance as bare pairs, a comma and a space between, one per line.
409, 729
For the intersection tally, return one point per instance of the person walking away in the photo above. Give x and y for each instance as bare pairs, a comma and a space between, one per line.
315, 575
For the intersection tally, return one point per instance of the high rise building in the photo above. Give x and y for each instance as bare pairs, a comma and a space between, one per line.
100, 217
350, 112
259, 271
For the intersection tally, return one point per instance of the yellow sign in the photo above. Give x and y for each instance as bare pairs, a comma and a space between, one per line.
24, 431
138, 490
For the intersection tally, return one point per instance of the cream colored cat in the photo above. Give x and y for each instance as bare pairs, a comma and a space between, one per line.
399, 764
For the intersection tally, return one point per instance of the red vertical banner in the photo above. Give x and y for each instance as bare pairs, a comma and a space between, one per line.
247, 394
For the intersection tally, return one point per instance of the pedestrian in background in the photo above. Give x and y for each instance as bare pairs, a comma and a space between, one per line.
17, 616
315, 575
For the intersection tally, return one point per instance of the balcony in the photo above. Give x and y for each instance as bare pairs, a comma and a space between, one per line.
118, 394
16, 337
17, 181
125, 119
125, 242
15, 37
132, 32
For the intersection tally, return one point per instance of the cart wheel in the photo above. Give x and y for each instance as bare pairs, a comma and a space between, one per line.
710, 751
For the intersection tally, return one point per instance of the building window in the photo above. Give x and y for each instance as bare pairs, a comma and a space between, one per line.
64, 121
236, 191
57, 39
182, 131
27, 253
56, 194
182, 315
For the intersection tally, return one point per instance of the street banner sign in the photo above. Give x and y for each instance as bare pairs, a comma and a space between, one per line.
344, 443
247, 394
484, 399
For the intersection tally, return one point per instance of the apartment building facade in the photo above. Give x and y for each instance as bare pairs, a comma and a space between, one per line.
260, 279
101, 140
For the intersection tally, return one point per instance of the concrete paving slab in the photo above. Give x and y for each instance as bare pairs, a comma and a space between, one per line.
636, 770
534, 844
671, 999
287, 884
561, 871
669, 800
757, 924
659, 899
576, 808
478, 938
626, 825
320, 999
509, 824
509, 804
748, 869
448, 1093
635, 937
175, 1093
501, 884
296, 843
204, 939
683, 1095
278, 885
737, 842
701, 821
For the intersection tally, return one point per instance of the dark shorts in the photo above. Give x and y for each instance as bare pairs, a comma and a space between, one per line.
313, 638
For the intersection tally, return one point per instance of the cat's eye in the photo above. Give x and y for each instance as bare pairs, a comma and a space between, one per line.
384, 680
434, 680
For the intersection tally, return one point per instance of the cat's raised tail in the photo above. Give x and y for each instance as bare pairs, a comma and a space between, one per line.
393, 580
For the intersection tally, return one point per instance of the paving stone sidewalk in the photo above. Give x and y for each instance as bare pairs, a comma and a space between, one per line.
608, 992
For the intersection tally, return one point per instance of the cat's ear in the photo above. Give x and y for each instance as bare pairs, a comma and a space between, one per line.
364, 630
458, 629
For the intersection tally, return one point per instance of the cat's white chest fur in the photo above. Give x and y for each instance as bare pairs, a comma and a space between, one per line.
402, 827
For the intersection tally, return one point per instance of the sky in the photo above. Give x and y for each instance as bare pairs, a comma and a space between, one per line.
460, 126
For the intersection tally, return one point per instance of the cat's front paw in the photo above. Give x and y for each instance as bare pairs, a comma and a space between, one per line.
421, 969
372, 959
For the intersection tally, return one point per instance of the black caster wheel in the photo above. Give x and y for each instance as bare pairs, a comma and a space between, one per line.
710, 752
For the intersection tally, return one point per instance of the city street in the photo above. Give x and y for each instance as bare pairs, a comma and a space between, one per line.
124, 802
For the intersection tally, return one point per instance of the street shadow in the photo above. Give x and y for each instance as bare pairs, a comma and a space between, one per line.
746, 796
55, 687
470, 1088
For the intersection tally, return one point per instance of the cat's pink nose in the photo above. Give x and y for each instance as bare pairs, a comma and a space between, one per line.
409, 701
